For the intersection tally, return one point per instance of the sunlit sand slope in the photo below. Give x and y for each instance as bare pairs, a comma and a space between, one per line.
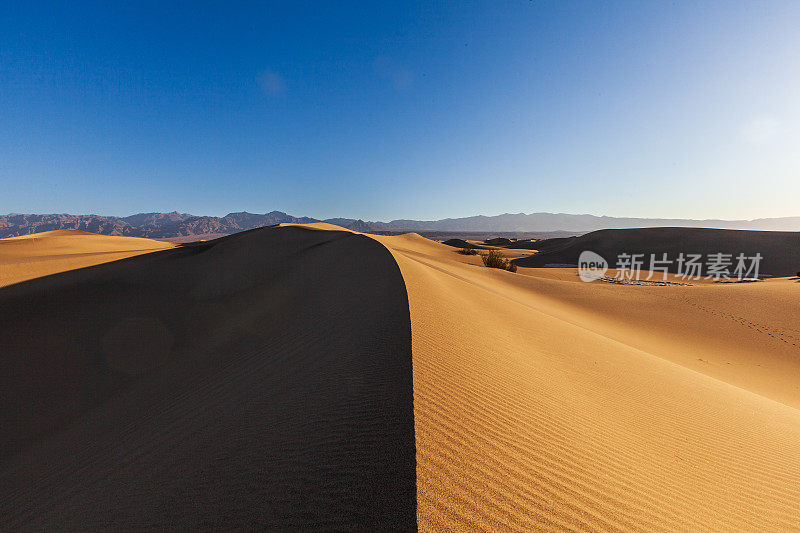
41, 254
533, 411
261, 381
745, 334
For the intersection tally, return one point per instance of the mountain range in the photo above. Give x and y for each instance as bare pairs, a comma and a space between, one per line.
182, 225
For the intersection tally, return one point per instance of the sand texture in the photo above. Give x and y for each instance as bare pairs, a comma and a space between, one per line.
542, 402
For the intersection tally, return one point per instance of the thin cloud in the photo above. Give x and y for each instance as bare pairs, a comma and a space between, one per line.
272, 83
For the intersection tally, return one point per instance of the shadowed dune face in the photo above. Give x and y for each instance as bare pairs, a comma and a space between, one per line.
461, 243
262, 380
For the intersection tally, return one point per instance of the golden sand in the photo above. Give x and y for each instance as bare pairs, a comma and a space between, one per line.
50, 252
545, 403
542, 402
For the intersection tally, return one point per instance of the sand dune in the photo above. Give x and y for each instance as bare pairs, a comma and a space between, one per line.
41, 254
228, 384
780, 249
536, 410
265, 380
461, 243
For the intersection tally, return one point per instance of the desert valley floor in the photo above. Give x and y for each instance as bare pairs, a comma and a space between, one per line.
307, 377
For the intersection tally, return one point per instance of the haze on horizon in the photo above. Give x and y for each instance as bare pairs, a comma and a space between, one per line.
408, 110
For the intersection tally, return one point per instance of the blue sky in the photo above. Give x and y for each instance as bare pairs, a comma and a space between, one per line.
383, 110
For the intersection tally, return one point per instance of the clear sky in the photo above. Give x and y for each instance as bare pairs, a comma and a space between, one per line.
383, 110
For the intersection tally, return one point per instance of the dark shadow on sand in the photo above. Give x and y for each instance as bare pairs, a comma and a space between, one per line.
261, 380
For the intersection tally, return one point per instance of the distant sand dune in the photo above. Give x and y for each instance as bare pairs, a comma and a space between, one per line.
50, 252
780, 250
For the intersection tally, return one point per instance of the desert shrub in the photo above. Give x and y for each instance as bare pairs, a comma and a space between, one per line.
468, 251
495, 259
